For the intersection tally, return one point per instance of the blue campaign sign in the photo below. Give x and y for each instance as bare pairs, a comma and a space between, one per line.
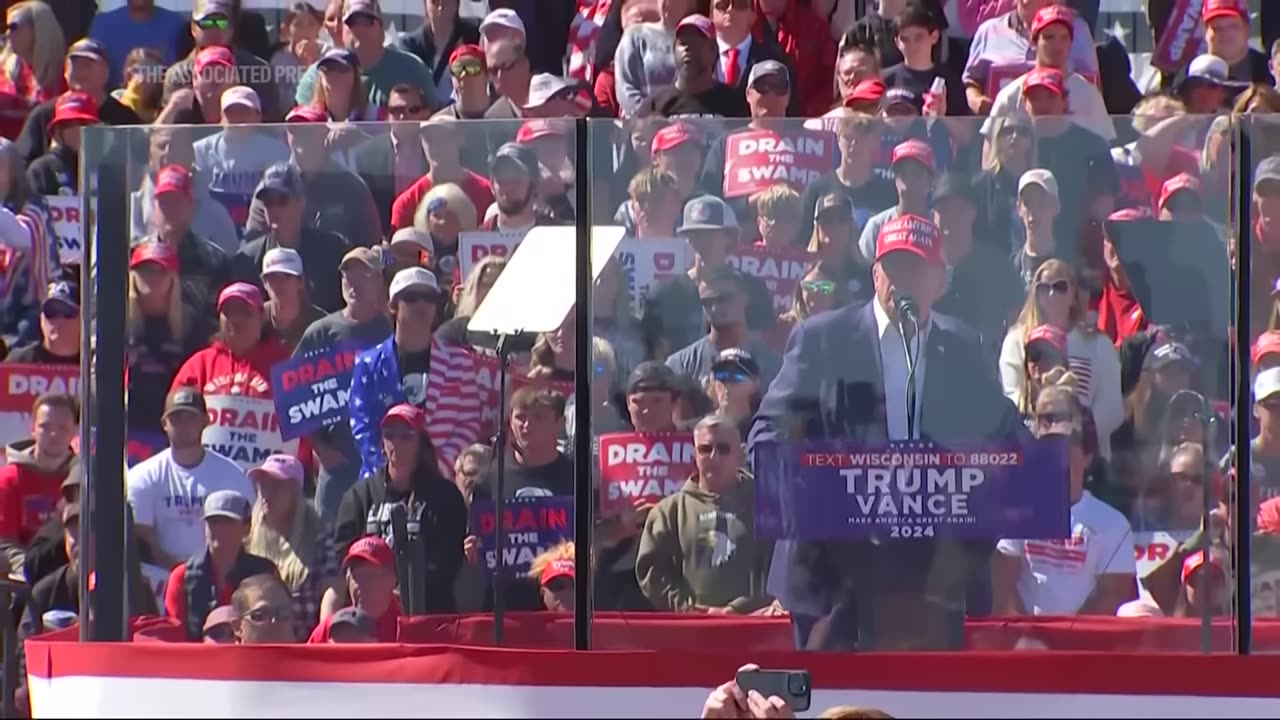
841, 490
311, 391
532, 526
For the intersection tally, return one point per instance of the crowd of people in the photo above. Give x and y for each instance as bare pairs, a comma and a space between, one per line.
332, 200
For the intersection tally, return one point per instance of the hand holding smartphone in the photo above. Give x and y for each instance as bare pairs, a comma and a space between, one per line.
792, 686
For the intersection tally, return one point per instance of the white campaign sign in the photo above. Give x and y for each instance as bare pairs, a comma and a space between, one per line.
157, 579
245, 429
64, 217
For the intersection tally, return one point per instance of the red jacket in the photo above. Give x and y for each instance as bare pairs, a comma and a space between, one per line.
216, 371
28, 495
805, 38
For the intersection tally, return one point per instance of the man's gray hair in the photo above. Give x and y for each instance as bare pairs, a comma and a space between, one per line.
716, 421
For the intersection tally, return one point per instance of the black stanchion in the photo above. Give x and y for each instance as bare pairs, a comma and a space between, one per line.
103, 427
584, 362
1242, 510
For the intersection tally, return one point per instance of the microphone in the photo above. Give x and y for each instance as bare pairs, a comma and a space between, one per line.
907, 309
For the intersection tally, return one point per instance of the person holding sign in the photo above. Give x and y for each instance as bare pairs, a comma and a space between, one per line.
413, 366
1090, 572
845, 376
698, 551
537, 467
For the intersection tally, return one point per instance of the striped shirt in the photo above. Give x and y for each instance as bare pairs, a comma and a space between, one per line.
454, 400
583, 32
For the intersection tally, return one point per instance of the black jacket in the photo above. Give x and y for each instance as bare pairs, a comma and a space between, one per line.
321, 253
338, 201
421, 43
57, 172
34, 139
441, 516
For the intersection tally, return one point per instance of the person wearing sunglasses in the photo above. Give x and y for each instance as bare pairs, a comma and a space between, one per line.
410, 478
510, 74
723, 295
59, 342
210, 577
1055, 301
415, 367
262, 612
820, 289
1091, 571
734, 387
282, 192
470, 76
438, 39
698, 550
213, 25
768, 93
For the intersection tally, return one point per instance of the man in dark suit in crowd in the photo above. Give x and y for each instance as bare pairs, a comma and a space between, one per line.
844, 376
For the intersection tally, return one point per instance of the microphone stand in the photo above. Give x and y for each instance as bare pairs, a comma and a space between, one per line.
500, 494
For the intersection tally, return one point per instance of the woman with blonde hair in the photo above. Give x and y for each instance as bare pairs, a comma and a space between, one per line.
778, 216
30, 63
287, 530
466, 298
144, 84
1056, 300
1012, 153
444, 213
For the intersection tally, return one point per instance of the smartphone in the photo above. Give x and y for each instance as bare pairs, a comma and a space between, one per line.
939, 86
791, 685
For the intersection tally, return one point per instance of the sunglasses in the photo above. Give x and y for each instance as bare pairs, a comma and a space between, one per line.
265, 614
216, 22
774, 86
1191, 478
732, 4
465, 69
58, 311
821, 287
723, 448
398, 111
1057, 287
418, 296
731, 375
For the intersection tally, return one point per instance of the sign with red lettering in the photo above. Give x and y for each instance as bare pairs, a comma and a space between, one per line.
532, 525
648, 261
20, 385
1182, 37
649, 467
311, 391
64, 219
245, 429
781, 270
756, 160
1152, 547
476, 245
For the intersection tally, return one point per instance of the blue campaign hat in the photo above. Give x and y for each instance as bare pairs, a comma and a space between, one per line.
707, 213
282, 178
339, 55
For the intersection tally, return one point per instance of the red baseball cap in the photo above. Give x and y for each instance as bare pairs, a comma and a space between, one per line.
214, 55
917, 150
701, 23
406, 413
1213, 9
557, 569
173, 178
1050, 14
74, 107
1050, 334
1127, 214
870, 91
240, 291
470, 50
913, 234
1194, 561
161, 253
306, 113
674, 135
371, 549
1176, 184
1045, 77
1266, 344
533, 129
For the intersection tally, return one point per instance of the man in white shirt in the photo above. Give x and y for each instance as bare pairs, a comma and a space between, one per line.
1052, 34
167, 491
1092, 571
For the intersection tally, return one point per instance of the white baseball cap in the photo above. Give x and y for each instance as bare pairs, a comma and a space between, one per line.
411, 278
1266, 384
1041, 177
241, 95
504, 17
1209, 67
416, 236
282, 260
543, 87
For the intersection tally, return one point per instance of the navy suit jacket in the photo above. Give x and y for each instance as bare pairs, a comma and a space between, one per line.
831, 387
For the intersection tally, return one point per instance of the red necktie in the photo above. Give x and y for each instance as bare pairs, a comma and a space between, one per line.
731, 67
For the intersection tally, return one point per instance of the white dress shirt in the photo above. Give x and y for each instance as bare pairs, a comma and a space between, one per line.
744, 47
893, 363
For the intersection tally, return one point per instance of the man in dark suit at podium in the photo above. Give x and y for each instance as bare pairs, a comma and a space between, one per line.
844, 376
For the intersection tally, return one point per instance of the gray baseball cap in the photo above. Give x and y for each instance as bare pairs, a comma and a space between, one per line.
707, 213
357, 618
227, 503
1268, 170
768, 67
